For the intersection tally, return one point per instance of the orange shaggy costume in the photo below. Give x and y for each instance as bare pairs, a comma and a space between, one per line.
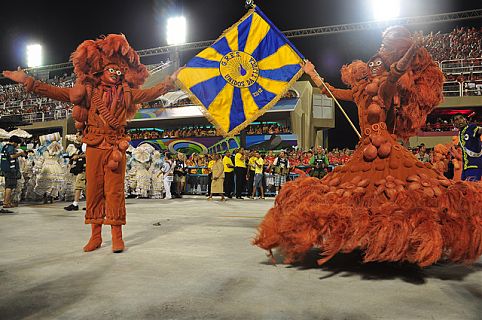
383, 201
101, 111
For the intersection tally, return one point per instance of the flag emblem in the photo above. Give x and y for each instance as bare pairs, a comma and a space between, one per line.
243, 73
239, 69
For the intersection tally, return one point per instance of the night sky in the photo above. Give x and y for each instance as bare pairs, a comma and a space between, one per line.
60, 29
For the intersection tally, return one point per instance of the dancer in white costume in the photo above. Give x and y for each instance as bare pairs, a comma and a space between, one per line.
51, 175
168, 174
142, 156
157, 178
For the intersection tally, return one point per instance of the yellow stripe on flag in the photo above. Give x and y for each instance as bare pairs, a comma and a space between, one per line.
249, 105
191, 76
257, 32
282, 57
222, 103
232, 38
210, 54
274, 86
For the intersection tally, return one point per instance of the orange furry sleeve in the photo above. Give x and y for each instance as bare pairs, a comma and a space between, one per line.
341, 94
146, 95
47, 90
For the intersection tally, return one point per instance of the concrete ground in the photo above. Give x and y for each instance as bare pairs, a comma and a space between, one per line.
192, 259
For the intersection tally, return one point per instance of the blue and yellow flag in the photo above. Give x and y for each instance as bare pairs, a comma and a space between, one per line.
243, 73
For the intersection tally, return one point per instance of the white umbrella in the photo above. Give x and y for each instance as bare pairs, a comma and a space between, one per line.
20, 133
4, 134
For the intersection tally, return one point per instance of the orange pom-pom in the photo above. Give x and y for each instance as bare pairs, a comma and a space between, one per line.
116, 155
384, 150
370, 153
123, 145
374, 112
113, 165
80, 113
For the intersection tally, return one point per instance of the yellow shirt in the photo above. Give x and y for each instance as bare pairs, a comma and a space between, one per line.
259, 166
251, 165
211, 164
238, 162
227, 161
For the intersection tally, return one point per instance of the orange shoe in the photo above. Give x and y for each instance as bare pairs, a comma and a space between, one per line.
95, 239
117, 242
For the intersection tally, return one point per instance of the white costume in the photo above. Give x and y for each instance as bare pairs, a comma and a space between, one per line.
51, 175
157, 178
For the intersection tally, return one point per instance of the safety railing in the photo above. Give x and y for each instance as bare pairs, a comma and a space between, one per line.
472, 88
55, 114
461, 66
198, 184
452, 89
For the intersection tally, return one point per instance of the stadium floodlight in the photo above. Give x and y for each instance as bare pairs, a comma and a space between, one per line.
34, 55
386, 9
176, 30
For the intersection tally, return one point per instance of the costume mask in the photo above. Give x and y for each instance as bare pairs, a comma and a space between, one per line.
111, 74
376, 67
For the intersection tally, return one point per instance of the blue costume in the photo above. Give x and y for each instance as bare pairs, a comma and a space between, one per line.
469, 140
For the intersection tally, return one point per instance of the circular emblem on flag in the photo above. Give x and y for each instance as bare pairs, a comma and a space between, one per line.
239, 69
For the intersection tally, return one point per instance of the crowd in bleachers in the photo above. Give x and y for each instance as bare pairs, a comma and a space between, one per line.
461, 43
14, 100
203, 131
267, 129
444, 123
195, 131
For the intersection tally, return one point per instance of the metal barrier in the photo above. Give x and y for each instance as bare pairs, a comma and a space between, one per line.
459, 66
452, 89
56, 114
197, 184
472, 88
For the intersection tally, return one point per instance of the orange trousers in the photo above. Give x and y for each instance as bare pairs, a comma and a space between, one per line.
104, 188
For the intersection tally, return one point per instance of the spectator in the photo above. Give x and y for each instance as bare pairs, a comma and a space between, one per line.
168, 175
281, 168
422, 155
228, 175
320, 163
240, 172
10, 169
217, 185
258, 177
77, 162
180, 172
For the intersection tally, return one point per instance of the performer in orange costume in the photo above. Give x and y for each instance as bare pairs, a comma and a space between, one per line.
383, 201
106, 94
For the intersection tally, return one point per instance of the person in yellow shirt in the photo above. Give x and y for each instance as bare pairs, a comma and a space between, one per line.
210, 172
251, 168
240, 172
258, 176
228, 174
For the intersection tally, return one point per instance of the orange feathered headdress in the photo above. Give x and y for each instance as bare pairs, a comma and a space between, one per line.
395, 42
354, 72
92, 56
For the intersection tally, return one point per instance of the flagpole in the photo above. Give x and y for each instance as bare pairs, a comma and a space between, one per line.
249, 4
341, 108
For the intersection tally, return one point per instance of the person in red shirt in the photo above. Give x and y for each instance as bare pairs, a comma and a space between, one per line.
269, 158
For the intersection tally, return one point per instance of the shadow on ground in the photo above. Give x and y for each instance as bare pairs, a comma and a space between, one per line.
351, 264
